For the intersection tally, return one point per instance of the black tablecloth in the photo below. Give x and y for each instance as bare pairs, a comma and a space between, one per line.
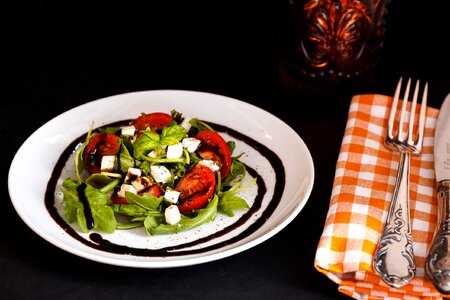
57, 56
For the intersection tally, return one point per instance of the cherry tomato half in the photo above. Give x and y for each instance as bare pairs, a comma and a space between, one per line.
214, 147
196, 188
155, 190
156, 121
101, 144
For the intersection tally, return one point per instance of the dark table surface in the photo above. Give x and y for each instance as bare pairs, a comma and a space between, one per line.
59, 56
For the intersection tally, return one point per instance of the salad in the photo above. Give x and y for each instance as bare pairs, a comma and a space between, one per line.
163, 172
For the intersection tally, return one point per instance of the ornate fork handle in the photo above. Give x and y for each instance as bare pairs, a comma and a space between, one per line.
394, 257
437, 264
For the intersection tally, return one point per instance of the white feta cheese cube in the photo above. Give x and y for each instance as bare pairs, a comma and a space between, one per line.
107, 164
209, 163
160, 173
141, 183
174, 151
172, 214
185, 123
191, 144
171, 195
152, 154
126, 188
128, 130
132, 174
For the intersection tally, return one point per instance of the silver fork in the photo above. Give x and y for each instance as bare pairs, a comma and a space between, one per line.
394, 258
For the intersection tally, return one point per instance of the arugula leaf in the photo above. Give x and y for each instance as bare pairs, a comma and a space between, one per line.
81, 218
104, 218
112, 130
130, 225
237, 171
101, 181
70, 198
199, 125
146, 201
103, 215
230, 202
94, 196
134, 210
125, 158
204, 215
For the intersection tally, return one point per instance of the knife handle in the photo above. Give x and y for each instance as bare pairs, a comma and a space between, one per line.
437, 264
394, 256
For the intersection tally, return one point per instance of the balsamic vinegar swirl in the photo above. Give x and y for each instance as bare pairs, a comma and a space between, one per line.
98, 242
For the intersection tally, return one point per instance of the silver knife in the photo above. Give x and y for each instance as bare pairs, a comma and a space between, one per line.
437, 263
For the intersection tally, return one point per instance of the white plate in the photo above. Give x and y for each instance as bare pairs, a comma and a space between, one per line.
37, 157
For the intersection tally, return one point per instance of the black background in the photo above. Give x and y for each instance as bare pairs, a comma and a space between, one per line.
57, 56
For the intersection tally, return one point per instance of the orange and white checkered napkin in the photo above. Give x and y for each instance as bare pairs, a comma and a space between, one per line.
360, 199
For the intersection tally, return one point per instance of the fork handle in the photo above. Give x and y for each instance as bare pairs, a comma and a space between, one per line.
437, 264
394, 257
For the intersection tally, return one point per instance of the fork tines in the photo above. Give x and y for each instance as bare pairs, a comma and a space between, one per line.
407, 141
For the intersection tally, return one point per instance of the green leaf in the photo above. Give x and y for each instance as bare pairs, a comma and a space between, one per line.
104, 218
95, 197
204, 215
129, 225
145, 143
199, 125
126, 160
171, 135
71, 200
100, 181
134, 210
230, 202
146, 201
112, 130
237, 172
131, 210
81, 218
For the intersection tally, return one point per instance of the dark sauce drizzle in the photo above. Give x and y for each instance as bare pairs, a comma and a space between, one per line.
86, 208
97, 241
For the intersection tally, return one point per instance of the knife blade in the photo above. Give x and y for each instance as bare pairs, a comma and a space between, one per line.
437, 263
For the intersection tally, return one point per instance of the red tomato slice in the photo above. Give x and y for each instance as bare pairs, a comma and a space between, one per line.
196, 188
118, 200
214, 147
155, 190
156, 121
100, 145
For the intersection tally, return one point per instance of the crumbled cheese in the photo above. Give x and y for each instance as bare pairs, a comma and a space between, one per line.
126, 188
174, 151
142, 183
191, 144
171, 195
128, 130
160, 173
172, 215
132, 174
210, 164
107, 164
185, 123
152, 154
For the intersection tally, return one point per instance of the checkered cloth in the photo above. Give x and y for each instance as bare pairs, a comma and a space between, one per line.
360, 199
